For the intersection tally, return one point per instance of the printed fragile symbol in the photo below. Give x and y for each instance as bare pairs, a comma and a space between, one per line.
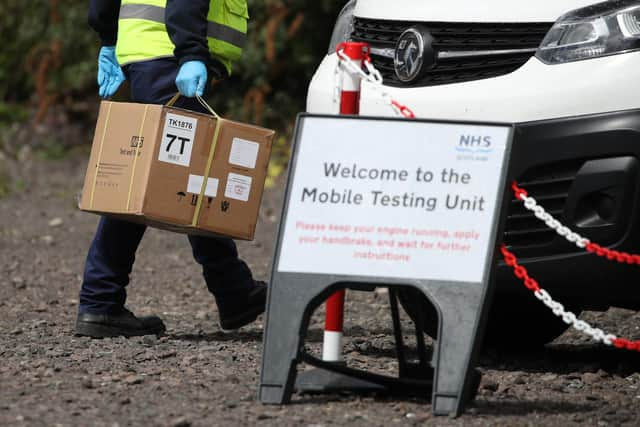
224, 206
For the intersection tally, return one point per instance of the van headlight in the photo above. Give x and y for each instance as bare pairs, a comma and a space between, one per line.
344, 26
606, 28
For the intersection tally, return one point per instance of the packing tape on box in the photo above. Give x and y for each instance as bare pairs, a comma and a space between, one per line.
212, 150
207, 170
135, 155
104, 133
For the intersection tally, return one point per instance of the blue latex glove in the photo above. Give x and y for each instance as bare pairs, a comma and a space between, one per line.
110, 75
192, 78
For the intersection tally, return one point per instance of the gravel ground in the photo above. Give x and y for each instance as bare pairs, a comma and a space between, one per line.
196, 375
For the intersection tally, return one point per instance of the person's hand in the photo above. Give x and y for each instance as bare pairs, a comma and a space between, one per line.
110, 75
192, 78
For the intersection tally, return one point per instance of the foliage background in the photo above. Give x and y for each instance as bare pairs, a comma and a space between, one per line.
48, 68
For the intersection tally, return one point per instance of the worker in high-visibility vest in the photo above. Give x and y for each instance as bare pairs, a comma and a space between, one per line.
161, 47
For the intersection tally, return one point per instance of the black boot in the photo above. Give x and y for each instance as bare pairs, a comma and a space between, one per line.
241, 314
124, 323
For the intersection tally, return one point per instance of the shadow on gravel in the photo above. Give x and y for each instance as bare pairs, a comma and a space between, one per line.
317, 334
316, 398
251, 336
374, 331
564, 359
378, 353
478, 407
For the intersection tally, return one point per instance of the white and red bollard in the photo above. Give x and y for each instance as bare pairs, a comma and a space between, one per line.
349, 104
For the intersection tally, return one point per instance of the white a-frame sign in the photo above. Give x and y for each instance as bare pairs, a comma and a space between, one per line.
388, 202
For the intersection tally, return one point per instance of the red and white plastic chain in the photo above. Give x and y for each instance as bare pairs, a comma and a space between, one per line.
612, 255
558, 309
374, 77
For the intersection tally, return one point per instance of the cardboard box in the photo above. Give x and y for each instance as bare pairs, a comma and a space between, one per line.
148, 164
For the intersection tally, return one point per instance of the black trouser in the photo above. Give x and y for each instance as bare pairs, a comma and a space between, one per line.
112, 252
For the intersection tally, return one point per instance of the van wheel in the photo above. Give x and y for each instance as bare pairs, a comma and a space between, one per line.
514, 323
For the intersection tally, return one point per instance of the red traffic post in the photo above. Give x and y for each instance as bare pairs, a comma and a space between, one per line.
349, 104
350, 89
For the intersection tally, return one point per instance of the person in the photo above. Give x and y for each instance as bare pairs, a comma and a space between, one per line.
162, 47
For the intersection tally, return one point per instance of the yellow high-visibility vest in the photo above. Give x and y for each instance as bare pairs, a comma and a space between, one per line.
142, 33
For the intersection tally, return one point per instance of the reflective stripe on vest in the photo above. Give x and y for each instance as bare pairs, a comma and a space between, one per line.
156, 14
142, 33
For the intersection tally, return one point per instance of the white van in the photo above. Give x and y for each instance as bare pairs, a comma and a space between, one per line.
567, 72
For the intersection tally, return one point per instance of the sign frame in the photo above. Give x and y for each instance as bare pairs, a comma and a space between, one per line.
461, 308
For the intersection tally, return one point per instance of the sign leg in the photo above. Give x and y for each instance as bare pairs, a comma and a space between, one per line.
454, 377
284, 331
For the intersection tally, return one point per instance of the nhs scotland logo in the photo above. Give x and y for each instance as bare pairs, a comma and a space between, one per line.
474, 144
474, 147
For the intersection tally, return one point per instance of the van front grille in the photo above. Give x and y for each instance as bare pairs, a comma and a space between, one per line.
466, 51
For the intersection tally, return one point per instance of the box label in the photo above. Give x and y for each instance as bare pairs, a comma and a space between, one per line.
177, 139
244, 153
195, 185
238, 187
